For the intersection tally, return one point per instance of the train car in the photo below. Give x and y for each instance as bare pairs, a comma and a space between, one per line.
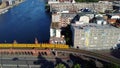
58, 46
19, 45
6, 45
32, 45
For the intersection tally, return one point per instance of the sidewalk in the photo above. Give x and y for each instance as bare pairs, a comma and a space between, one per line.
4, 9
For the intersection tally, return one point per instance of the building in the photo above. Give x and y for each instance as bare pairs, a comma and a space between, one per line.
56, 40
60, 1
55, 34
12, 2
56, 17
94, 36
66, 18
9, 2
98, 7
116, 5
62, 19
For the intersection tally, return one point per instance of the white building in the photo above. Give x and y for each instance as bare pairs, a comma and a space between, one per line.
55, 32
55, 36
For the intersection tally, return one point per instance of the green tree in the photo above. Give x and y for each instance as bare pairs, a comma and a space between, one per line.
60, 65
79, 0
112, 66
77, 66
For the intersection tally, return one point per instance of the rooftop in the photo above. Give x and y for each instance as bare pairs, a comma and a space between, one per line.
92, 25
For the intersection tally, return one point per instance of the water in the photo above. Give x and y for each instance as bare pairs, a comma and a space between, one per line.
25, 22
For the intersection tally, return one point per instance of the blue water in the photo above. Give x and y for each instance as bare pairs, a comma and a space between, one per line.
25, 22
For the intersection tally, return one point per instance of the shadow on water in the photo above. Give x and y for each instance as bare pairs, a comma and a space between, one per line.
116, 52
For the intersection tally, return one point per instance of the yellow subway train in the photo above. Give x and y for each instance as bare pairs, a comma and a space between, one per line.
60, 46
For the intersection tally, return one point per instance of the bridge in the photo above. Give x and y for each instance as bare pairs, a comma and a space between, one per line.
36, 52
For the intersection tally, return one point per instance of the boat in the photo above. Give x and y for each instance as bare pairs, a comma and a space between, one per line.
4, 11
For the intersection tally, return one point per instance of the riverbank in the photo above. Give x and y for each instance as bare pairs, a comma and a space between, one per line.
4, 10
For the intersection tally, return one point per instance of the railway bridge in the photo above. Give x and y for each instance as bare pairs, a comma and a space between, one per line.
50, 49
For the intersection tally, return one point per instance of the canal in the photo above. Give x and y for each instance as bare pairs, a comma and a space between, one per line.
25, 22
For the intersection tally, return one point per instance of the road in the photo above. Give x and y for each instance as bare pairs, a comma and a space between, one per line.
21, 60
28, 61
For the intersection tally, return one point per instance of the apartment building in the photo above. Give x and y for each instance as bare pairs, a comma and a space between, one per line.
94, 37
60, 1
98, 7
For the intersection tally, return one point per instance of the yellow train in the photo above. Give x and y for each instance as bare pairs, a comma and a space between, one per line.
60, 46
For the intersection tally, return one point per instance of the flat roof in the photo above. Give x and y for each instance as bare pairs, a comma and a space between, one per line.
93, 25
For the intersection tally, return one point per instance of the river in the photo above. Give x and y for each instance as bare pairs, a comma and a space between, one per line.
25, 22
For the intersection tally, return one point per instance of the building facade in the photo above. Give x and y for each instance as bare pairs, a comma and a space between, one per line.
98, 7
94, 36
116, 5
56, 17
62, 19
60, 1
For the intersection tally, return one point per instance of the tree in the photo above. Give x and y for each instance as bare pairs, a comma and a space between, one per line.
60, 65
79, 0
111, 66
77, 66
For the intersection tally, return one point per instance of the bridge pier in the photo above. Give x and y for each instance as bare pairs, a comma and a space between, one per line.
35, 52
56, 53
